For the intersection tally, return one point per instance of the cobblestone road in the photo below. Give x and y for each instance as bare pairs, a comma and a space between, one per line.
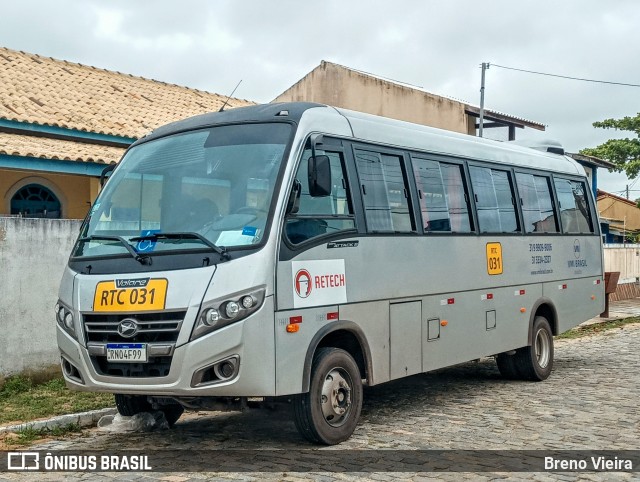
589, 402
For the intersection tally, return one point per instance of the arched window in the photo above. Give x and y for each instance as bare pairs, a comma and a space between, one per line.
35, 201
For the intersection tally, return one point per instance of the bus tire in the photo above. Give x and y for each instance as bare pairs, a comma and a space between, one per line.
536, 361
130, 405
329, 412
507, 366
172, 413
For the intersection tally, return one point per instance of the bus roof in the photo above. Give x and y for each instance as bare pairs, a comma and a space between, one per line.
371, 128
393, 132
255, 113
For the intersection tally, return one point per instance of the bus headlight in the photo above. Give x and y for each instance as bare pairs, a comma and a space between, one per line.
64, 317
60, 313
210, 317
247, 302
232, 309
68, 321
221, 312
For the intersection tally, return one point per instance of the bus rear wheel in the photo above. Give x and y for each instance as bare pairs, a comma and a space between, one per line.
329, 412
536, 361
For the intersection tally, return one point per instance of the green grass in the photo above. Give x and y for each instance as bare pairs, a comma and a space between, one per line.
22, 400
25, 398
581, 331
29, 435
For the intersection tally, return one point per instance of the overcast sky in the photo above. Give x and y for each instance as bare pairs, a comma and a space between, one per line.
437, 45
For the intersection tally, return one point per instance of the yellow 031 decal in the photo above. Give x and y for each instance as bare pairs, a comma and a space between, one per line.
494, 258
139, 295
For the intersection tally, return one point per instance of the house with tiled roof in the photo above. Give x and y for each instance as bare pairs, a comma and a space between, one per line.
61, 123
619, 217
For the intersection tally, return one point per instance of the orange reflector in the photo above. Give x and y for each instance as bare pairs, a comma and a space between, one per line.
295, 319
593, 297
444, 323
523, 310
293, 328
332, 316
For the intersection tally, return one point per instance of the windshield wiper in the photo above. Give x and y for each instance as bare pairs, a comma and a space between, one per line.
142, 259
221, 250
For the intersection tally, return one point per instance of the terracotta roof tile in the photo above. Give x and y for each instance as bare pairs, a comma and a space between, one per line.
48, 148
47, 91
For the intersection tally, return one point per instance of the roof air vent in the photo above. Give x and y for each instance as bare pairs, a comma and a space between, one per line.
547, 145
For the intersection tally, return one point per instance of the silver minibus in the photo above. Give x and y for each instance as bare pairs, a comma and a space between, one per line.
298, 252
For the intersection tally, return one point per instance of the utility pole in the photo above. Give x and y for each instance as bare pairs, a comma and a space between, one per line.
627, 191
485, 66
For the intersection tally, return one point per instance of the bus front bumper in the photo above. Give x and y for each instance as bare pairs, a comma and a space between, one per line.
195, 368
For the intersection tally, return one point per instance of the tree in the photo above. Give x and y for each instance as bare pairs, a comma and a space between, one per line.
624, 153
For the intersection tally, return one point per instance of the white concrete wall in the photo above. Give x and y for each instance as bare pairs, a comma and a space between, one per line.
624, 258
33, 254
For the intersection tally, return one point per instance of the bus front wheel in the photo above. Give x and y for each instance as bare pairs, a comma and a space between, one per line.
507, 366
130, 405
536, 361
329, 412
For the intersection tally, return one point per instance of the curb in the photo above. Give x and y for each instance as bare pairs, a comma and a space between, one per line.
84, 419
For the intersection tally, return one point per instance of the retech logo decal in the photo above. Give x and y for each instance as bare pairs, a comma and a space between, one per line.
302, 283
318, 283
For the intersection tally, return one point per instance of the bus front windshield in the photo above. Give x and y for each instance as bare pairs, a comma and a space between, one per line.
188, 191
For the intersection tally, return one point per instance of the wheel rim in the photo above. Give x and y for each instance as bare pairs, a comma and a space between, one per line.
336, 397
543, 348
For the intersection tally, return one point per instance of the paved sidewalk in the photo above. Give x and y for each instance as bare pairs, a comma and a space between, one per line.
590, 402
619, 310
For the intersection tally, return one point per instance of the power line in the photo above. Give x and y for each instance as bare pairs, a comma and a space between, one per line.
565, 76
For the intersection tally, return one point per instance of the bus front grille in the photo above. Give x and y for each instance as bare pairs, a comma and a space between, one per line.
159, 331
160, 327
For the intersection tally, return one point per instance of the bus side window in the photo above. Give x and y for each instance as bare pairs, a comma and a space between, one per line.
494, 200
537, 206
574, 207
442, 196
384, 192
318, 216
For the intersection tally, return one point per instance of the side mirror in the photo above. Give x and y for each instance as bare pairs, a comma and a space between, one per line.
319, 176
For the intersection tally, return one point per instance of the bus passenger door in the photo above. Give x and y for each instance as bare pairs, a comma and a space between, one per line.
310, 225
311, 281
